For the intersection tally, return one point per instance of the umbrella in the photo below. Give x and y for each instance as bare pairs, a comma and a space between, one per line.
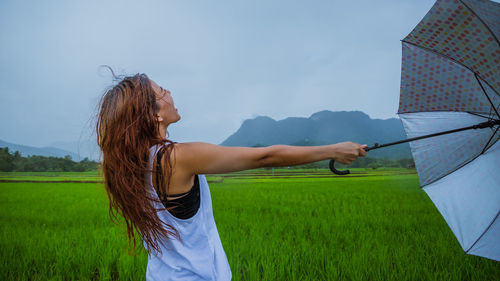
449, 106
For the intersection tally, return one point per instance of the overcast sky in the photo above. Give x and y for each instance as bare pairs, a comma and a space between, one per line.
224, 61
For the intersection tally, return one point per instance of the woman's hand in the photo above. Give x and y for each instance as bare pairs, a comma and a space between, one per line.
346, 152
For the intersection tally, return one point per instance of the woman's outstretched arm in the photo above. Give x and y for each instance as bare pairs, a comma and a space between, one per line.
204, 158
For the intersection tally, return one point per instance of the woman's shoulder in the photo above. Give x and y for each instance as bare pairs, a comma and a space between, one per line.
171, 155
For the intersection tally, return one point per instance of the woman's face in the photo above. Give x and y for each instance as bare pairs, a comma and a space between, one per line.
167, 113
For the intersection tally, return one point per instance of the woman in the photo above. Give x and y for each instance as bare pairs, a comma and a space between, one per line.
158, 185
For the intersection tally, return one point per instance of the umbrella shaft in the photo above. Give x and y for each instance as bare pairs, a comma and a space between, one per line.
488, 124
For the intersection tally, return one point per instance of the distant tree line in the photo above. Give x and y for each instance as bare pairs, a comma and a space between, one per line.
16, 163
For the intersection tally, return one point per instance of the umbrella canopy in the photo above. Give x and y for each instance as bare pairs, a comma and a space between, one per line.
450, 79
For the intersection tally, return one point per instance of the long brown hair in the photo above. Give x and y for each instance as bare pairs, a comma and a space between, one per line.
126, 129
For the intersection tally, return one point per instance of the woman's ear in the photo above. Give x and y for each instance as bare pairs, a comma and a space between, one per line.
159, 118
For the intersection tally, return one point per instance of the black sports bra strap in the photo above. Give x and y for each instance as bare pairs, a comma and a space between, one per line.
158, 174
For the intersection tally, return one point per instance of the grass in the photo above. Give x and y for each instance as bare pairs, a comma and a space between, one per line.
377, 227
49, 176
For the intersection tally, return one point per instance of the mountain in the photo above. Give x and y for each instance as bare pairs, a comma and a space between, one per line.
43, 151
84, 148
324, 127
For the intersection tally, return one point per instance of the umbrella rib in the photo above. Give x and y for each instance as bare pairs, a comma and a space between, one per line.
477, 114
481, 20
486, 146
486, 94
486, 230
452, 59
473, 113
452, 171
422, 186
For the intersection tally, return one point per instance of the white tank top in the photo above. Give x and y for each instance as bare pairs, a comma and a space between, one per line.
199, 256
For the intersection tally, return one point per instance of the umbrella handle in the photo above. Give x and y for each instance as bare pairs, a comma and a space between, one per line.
337, 172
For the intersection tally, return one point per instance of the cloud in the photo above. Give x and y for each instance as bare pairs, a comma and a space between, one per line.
224, 61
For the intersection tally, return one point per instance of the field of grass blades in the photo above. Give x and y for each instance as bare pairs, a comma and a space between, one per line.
378, 227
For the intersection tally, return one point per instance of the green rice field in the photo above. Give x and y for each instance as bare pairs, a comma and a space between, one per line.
296, 225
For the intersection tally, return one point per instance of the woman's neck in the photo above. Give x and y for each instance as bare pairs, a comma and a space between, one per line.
163, 131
